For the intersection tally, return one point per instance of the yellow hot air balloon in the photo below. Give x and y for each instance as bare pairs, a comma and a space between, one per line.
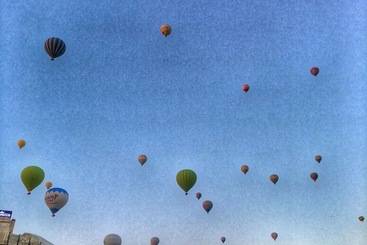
21, 143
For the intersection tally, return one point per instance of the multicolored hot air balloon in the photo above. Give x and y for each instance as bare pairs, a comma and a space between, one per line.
21, 143
154, 241
55, 199
198, 195
142, 159
55, 47
207, 205
244, 169
318, 158
186, 179
274, 235
223, 239
245, 88
274, 178
48, 184
314, 176
315, 71
32, 176
166, 30
361, 218
112, 239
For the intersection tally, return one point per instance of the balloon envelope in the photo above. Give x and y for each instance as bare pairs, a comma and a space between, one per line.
315, 71
244, 169
198, 195
21, 143
186, 179
246, 88
48, 184
274, 235
274, 178
55, 47
32, 176
142, 159
223, 239
207, 205
112, 239
318, 158
166, 30
55, 199
314, 176
154, 241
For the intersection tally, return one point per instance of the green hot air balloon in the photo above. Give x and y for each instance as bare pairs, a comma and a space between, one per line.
186, 179
32, 176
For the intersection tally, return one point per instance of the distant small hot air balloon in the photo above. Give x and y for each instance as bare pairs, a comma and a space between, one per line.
314, 176
318, 158
207, 205
166, 30
21, 143
142, 159
246, 88
55, 47
315, 71
32, 176
274, 235
223, 239
274, 178
198, 195
244, 169
154, 241
361, 218
55, 199
112, 239
186, 179
48, 184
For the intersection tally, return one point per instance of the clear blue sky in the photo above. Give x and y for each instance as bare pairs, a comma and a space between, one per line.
121, 89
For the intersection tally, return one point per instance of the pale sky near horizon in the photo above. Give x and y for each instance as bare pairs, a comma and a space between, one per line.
121, 89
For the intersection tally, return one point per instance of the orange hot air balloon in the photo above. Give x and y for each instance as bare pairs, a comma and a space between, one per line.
166, 30
246, 88
315, 71
21, 143
314, 176
244, 169
142, 159
274, 178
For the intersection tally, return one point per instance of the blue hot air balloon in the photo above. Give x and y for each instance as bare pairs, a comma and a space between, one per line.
55, 199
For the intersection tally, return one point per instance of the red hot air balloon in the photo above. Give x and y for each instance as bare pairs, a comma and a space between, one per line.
246, 88
198, 195
315, 71
274, 235
223, 239
207, 205
314, 176
274, 178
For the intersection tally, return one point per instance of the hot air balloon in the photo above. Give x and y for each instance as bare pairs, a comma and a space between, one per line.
361, 218
154, 241
21, 143
48, 184
55, 199
166, 30
32, 177
274, 235
55, 47
112, 239
198, 195
246, 88
223, 239
207, 205
318, 158
142, 159
315, 71
274, 178
186, 179
244, 169
314, 176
